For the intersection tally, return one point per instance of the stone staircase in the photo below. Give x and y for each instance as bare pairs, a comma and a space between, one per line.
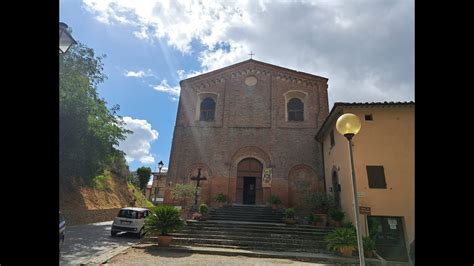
247, 213
252, 236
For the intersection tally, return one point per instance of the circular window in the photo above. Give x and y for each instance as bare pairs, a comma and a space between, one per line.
250, 81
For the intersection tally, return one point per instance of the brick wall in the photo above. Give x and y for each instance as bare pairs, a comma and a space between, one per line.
250, 121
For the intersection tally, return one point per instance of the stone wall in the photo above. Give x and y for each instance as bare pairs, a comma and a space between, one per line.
77, 217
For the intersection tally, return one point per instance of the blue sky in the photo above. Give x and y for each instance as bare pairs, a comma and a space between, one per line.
365, 48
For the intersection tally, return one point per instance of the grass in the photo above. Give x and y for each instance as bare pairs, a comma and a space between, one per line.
141, 201
101, 182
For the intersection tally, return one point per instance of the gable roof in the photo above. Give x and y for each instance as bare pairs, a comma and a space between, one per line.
337, 109
253, 61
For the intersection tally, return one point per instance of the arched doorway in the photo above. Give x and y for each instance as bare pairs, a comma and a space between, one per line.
336, 188
249, 182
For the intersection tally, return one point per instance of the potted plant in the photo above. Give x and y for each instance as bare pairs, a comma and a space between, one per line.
164, 219
337, 216
317, 220
220, 199
369, 246
343, 240
321, 203
275, 200
314, 220
290, 216
203, 209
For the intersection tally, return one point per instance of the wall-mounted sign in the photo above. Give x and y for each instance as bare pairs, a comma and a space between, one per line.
392, 223
267, 177
360, 194
364, 210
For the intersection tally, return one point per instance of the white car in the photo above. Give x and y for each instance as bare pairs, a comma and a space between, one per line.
130, 220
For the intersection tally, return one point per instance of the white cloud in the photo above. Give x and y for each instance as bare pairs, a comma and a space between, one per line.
137, 145
365, 48
184, 75
164, 87
139, 74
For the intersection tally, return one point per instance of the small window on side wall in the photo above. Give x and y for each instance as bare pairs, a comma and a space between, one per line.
376, 176
208, 108
368, 117
295, 110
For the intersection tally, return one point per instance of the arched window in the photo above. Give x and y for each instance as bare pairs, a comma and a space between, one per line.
295, 110
208, 107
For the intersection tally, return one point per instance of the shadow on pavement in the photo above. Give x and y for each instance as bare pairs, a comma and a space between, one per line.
167, 252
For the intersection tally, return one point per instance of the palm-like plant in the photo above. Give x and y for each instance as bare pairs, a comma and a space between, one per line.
164, 219
345, 237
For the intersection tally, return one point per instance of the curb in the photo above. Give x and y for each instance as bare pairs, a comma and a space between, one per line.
103, 258
304, 257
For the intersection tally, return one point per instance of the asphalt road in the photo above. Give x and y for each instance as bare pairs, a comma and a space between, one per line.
83, 243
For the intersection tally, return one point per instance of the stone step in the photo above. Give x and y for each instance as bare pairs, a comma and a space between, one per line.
236, 231
231, 223
253, 227
315, 236
247, 213
312, 251
250, 244
260, 239
246, 219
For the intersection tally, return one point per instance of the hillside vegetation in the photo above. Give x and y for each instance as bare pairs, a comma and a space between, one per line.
93, 171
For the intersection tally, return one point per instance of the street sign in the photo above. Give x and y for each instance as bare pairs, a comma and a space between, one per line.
364, 210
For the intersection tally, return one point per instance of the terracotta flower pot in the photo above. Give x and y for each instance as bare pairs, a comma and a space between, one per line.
164, 241
368, 254
346, 251
318, 224
337, 223
274, 206
290, 221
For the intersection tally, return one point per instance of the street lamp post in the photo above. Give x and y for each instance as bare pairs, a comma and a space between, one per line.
349, 125
160, 165
65, 38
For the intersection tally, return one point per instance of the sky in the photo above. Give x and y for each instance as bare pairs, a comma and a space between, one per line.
365, 49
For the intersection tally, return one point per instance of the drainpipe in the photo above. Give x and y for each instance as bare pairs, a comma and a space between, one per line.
324, 169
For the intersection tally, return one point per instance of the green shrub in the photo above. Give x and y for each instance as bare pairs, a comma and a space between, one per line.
369, 244
336, 215
348, 225
203, 208
164, 219
220, 197
314, 218
275, 200
341, 237
320, 202
183, 193
290, 213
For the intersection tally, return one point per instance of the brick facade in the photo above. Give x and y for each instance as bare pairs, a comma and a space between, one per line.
250, 122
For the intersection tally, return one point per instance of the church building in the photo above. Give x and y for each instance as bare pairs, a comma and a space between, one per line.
250, 128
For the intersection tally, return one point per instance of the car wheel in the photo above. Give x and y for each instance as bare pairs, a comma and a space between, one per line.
140, 234
113, 233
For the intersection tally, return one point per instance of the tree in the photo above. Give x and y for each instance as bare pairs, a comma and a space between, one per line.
143, 176
183, 193
89, 132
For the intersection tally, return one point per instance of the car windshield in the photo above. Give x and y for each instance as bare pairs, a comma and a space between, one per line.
128, 214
